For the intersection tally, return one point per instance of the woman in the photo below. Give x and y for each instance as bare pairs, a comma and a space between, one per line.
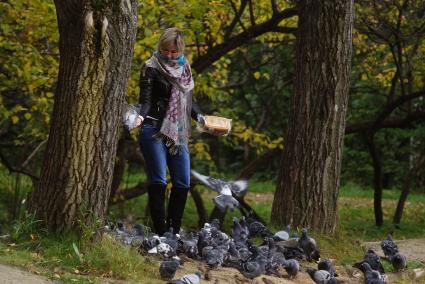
166, 86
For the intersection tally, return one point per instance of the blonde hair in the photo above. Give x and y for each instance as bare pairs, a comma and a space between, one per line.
172, 36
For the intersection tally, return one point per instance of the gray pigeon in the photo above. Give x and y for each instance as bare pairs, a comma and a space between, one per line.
308, 245
282, 235
257, 228
238, 232
215, 257
252, 269
373, 260
292, 267
389, 247
371, 276
399, 261
168, 269
327, 265
226, 201
238, 188
194, 278
319, 276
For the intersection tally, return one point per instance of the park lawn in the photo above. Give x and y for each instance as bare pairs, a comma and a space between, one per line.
81, 260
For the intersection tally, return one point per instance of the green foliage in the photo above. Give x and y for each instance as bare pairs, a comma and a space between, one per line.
25, 228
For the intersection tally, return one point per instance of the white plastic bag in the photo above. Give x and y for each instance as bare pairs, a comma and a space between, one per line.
129, 115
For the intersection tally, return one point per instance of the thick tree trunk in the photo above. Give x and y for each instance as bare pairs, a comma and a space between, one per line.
96, 46
308, 180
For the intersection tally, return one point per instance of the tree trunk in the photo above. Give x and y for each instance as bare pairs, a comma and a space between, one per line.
377, 179
408, 183
96, 47
308, 180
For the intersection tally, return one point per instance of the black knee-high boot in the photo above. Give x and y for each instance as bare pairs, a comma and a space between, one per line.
156, 196
176, 206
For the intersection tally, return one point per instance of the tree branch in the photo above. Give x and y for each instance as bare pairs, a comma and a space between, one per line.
390, 123
216, 52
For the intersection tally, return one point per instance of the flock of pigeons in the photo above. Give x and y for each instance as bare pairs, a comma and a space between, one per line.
237, 250
371, 264
279, 251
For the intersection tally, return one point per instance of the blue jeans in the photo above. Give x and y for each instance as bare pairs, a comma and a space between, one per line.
158, 158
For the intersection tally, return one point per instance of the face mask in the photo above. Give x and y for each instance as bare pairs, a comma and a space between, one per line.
181, 60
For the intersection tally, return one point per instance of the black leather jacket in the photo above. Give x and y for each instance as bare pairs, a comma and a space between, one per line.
155, 93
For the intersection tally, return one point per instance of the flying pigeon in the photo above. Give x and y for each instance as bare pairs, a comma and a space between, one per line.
238, 188
194, 278
168, 269
225, 201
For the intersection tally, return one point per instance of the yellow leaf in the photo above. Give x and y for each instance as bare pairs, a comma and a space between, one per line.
27, 115
257, 75
15, 119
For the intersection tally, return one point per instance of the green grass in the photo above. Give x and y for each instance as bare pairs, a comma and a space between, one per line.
54, 255
356, 191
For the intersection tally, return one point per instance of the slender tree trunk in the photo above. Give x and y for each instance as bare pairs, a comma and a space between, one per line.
96, 46
377, 179
408, 183
308, 180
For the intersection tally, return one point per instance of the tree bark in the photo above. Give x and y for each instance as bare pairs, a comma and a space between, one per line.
96, 47
308, 180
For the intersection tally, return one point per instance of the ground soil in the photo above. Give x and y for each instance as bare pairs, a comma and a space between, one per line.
14, 275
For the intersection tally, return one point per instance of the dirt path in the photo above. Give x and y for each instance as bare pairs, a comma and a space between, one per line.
14, 275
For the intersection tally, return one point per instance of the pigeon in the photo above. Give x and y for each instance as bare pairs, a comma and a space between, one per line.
238, 188
226, 201
373, 260
292, 267
163, 249
215, 223
319, 276
252, 269
215, 257
282, 235
194, 278
371, 276
308, 245
399, 261
238, 232
327, 265
168, 269
188, 245
257, 228
389, 247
